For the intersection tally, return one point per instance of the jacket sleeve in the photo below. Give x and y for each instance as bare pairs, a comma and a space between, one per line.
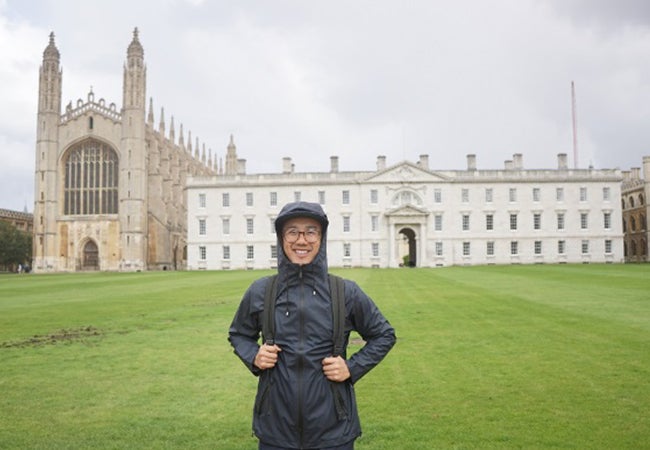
372, 326
245, 328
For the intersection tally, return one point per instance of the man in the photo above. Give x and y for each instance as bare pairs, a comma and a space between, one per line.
305, 397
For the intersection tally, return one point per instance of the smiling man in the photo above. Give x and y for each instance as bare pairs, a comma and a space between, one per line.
301, 239
305, 397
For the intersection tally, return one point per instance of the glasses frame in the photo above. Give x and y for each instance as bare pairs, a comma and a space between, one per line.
310, 235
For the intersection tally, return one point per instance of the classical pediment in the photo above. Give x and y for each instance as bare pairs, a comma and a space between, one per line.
405, 172
407, 211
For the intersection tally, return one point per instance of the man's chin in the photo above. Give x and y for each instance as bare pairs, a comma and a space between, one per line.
302, 259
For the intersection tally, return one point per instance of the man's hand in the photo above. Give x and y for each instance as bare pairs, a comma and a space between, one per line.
336, 369
267, 356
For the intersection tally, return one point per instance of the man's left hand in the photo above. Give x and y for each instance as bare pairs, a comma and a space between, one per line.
336, 369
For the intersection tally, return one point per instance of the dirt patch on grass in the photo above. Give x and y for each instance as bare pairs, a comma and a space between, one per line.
66, 335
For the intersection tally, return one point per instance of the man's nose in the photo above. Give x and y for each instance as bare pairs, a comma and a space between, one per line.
302, 235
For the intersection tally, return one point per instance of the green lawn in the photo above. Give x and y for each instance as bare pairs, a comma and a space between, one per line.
499, 357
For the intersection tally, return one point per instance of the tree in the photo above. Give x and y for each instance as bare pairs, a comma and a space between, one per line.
15, 246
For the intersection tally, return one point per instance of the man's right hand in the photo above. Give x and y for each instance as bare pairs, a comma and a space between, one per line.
267, 356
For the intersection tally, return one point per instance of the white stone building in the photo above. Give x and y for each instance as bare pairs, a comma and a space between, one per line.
411, 214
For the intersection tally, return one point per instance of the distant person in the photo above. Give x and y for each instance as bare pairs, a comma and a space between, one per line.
305, 397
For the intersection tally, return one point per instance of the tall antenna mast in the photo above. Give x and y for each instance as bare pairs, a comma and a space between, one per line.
574, 120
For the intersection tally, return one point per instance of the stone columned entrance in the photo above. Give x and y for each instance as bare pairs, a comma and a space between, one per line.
407, 233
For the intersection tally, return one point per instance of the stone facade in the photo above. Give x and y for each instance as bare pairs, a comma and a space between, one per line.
23, 221
108, 184
410, 214
635, 192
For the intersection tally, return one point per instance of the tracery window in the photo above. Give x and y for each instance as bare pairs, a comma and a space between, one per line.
91, 179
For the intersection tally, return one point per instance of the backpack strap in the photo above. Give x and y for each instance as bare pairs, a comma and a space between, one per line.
268, 315
337, 293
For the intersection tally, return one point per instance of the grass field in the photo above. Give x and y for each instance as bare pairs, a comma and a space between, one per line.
500, 357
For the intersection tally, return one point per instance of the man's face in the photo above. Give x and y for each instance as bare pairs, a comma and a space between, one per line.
301, 238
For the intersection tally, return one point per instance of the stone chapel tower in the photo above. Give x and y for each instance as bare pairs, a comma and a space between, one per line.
133, 170
47, 137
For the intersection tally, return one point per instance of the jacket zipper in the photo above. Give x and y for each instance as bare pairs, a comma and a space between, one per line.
300, 360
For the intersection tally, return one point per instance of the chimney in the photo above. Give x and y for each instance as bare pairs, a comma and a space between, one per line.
287, 167
636, 173
626, 175
646, 168
381, 162
334, 164
471, 162
424, 161
508, 164
241, 166
562, 163
518, 161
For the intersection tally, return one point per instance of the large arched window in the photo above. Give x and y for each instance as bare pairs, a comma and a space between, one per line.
91, 176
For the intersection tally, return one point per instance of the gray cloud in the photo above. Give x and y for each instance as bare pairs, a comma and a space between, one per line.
353, 79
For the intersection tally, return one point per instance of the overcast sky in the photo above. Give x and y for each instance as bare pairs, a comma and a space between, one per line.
356, 79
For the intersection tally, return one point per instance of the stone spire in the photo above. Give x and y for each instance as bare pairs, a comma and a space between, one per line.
49, 98
161, 125
150, 115
135, 49
172, 133
231, 158
135, 74
181, 139
51, 53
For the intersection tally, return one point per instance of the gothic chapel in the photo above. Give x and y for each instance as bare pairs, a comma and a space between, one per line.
109, 187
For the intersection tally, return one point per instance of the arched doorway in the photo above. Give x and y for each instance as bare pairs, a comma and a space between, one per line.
90, 256
407, 247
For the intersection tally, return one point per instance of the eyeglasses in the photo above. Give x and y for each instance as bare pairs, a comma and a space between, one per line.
292, 235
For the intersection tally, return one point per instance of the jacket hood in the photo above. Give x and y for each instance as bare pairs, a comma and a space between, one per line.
301, 209
318, 267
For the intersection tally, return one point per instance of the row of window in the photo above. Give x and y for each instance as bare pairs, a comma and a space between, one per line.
437, 223
250, 225
490, 249
273, 198
537, 247
250, 251
537, 221
409, 197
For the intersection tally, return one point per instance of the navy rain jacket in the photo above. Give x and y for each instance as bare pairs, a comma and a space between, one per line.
295, 403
